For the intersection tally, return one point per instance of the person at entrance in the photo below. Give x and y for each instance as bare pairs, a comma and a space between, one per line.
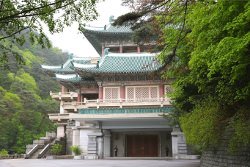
167, 150
115, 151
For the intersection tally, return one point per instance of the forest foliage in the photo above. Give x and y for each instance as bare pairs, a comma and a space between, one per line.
205, 47
24, 97
26, 20
211, 65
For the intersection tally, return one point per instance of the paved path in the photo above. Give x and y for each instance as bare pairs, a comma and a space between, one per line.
98, 163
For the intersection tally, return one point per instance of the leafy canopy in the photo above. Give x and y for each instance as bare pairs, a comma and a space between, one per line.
33, 16
205, 47
211, 65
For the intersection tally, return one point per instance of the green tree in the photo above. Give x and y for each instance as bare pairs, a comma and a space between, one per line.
206, 49
23, 104
211, 64
29, 17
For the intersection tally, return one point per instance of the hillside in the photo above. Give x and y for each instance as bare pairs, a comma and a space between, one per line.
24, 97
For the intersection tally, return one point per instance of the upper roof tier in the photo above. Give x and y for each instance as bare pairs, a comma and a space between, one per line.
99, 36
121, 63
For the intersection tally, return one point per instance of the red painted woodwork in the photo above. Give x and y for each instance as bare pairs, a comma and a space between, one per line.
100, 92
142, 145
102, 50
138, 49
79, 98
121, 49
161, 89
122, 92
63, 90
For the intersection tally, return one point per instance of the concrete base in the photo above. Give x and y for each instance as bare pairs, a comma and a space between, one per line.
138, 158
91, 157
187, 157
78, 157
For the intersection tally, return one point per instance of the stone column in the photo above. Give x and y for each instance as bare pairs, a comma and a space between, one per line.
107, 143
60, 132
100, 147
69, 138
61, 107
76, 137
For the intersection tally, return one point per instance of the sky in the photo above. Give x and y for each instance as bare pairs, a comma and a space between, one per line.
72, 41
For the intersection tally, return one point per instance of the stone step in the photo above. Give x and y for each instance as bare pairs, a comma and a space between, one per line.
92, 149
45, 138
182, 148
92, 152
51, 134
35, 154
40, 142
182, 144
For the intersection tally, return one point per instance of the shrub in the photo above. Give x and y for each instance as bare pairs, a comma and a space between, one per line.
3, 152
56, 149
201, 127
76, 150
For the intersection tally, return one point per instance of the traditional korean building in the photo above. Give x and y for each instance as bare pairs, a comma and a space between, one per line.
113, 105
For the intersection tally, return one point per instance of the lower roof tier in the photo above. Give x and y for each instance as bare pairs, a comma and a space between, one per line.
121, 63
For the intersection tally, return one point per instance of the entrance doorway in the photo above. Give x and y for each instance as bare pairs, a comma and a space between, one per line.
142, 145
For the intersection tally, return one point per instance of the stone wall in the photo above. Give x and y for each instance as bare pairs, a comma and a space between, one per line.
221, 157
224, 159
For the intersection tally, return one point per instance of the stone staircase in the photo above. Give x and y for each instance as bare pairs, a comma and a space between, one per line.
92, 148
40, 147
182, 148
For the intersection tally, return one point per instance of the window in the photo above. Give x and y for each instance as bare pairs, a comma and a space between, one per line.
144, 93
111, 93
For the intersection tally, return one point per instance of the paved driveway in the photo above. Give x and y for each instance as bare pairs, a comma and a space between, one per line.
98, 163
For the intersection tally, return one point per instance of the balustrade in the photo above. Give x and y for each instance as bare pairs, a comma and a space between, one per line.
96, 103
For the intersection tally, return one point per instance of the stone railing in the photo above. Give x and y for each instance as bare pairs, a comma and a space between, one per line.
119, 103
64, 95
13, 156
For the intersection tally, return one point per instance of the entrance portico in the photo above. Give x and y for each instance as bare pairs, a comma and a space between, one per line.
137, 137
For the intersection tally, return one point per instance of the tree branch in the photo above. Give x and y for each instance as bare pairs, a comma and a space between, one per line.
42, 13
133, 16
182, 28
24, 28
34, 9
1, 5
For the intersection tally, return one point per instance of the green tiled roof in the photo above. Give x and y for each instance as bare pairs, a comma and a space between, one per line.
97, 36
69, 78
73, 81
67, 67
125, 110
73, 78
109, 29
122, 63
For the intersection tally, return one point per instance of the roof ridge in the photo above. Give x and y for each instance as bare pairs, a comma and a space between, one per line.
143, 54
